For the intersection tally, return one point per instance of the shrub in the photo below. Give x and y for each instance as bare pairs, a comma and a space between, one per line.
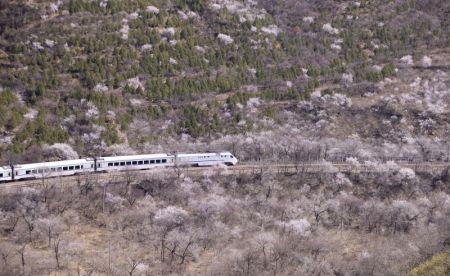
438, 265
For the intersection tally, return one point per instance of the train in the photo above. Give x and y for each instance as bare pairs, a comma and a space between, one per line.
113, 163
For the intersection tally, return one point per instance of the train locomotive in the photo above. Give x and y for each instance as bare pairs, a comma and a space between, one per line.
113, 163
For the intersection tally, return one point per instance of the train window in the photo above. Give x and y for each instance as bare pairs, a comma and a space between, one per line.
1, 175
40, 171
141, 162
134, 162
116, 163
128, 163
110, 164
77, 167
59, 169
122, 163
158, 161
164, 161
27, 172
53, 169
70, 168
146, 162
152, 161
65, 168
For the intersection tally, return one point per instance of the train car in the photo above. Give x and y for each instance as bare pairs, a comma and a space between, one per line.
206, 159
52, 169
105, 164
5, 173
134, 162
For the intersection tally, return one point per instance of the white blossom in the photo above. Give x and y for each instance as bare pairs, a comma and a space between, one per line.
426, 61
347, 78
377, 68
352, 161
308, 19
427, 124
336, 47
199, 49
167, 31
133, 15
100, 87
135, 83
146, 47
299, 226
192, 14
54, 7
37, 46
124, 31
407, 60
406, 174
92, 111
170, 215
329, 29
49, 43
152, 9
183, 15
225, 39
65, 149
272, 29
173, 61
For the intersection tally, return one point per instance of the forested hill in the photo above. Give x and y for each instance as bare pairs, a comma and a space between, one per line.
84, 77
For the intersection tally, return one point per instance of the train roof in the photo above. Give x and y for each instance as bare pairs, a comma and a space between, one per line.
196, 154
5, 168
133, 157
74, 162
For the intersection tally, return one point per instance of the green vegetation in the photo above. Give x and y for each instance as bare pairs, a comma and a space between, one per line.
11, 113
57, 64
438, 265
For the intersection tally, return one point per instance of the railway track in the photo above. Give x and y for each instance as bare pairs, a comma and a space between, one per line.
118, 176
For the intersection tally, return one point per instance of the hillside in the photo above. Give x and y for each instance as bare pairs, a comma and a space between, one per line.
107, 77
321, 84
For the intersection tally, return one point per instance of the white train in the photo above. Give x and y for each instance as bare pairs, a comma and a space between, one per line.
114, 163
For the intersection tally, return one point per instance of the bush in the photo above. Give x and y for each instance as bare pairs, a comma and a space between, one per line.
438, 265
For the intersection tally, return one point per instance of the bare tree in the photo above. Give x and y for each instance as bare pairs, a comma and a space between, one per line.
5, 254
133, 263
9, 223
319, 208
56, 250
29, 221
51, 226
46, 187
130, 179
85, 183
179, 170
21, 252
